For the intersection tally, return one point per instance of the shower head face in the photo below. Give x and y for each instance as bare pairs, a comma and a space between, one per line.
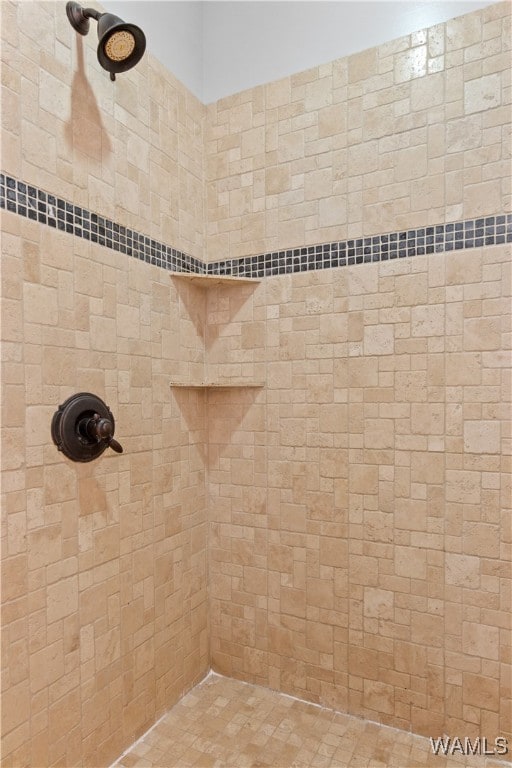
121, 45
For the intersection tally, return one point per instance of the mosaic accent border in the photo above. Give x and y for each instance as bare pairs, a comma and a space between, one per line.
33, 203
470, 233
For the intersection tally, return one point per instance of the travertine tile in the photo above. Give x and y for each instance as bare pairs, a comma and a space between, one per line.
357, 505
224, 722
380, 499
343, 162
103, 564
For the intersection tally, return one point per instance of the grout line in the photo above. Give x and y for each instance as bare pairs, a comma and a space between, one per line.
496, 761
141, 738
152, 728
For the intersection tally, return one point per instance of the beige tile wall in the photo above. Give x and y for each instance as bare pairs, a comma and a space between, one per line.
359, 544
104, 618
131, 150
360, 510
415, 131
360, 504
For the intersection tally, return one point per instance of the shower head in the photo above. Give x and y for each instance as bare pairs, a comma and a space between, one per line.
121, 46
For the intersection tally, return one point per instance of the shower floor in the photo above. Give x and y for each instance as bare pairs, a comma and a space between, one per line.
223, 722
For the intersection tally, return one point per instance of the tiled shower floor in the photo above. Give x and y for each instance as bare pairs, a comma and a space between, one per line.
224, 722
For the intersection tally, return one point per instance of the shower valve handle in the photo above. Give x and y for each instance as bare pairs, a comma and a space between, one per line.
117, 447
101, 429
83, 427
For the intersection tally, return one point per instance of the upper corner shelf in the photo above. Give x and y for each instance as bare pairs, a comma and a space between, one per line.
205, 281
230, 384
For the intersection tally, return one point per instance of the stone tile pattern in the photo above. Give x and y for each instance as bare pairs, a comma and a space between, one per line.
104, 619
104, 615
360, 533
223, 722
360, 504
131, 150
410, 134
38, 205
359, 538
455, 236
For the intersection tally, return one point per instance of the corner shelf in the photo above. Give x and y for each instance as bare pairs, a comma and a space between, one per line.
206, 281
232, 384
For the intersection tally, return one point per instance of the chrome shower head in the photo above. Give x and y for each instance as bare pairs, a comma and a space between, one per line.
121, 46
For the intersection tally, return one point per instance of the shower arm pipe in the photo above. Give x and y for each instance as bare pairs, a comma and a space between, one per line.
91, 13
79, 17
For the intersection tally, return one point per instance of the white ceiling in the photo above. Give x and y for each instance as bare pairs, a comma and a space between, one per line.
218, 48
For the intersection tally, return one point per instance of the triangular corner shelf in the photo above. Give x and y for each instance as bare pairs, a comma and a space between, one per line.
231, 384
208, 281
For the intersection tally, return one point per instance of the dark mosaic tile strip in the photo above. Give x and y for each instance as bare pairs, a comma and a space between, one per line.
459, 235
35, 204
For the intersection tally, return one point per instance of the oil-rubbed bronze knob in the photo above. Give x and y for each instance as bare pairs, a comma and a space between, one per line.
83, 427
103, 427
100, 429
105, 430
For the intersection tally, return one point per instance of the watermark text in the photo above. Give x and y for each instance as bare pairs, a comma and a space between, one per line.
479, 745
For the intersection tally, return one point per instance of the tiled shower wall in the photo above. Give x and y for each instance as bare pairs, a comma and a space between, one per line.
360, 504
360, 509
411, 133
359, 554
131, 151
104, 620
